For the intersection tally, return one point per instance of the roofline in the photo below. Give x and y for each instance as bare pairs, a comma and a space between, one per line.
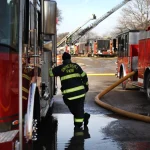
127, 31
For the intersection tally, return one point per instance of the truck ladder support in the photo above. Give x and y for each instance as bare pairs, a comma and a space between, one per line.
76, 30
93, 25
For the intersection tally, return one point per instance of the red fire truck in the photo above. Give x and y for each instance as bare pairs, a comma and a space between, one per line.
85, 48
90, 47
82, 48
96, 47
134, 55
27, 29
103, 47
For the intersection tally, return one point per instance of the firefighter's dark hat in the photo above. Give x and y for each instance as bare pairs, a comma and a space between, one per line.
66, 56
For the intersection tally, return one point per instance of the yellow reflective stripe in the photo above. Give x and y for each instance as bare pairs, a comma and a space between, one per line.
78, 120
51, 72
79, 133
87, 83
25, 90
83, 74
73, 89
70, 76
75, 97
24, 97
26, 77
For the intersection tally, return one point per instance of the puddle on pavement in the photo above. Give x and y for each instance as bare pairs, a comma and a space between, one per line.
58, 133
90, 138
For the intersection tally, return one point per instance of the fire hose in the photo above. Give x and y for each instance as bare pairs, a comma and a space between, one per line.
117, 110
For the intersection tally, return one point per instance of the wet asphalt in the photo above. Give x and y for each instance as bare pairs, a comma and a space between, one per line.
106, 130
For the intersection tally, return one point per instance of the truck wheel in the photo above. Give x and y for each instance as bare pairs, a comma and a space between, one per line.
124, 83
148, 87
50, 111
36, 114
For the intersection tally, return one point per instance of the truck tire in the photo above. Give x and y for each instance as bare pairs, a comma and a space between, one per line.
124, 83
50, 111
148, 87
36, 112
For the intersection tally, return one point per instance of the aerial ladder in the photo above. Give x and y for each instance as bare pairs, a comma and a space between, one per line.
75, 31
93, 25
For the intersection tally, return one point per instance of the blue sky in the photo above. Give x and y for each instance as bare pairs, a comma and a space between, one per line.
76, 12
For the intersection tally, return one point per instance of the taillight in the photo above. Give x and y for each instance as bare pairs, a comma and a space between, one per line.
16, 122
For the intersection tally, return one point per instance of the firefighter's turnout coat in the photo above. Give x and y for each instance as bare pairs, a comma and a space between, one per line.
73, 79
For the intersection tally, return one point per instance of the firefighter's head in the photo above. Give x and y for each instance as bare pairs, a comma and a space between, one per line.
66, 56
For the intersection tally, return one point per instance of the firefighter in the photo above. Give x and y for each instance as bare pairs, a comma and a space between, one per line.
74, 84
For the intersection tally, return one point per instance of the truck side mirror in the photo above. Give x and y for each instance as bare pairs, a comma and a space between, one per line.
48, 11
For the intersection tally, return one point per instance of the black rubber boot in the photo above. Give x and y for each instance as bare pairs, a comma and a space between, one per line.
78, 125
86, 132
86, 119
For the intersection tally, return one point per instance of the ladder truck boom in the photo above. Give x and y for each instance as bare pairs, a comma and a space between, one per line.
76, 30
93, 25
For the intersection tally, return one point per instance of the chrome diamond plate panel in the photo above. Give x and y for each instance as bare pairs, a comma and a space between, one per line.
8, 136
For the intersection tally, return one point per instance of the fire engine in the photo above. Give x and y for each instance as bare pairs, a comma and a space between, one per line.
95, 47
28, 30
103, 47
134, 55
81, 48
85, 48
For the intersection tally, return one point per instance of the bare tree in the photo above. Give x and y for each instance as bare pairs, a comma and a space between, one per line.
61, 36
118, 29
59, 16
135, 15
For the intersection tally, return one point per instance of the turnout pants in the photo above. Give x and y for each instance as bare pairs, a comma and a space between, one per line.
76, 107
